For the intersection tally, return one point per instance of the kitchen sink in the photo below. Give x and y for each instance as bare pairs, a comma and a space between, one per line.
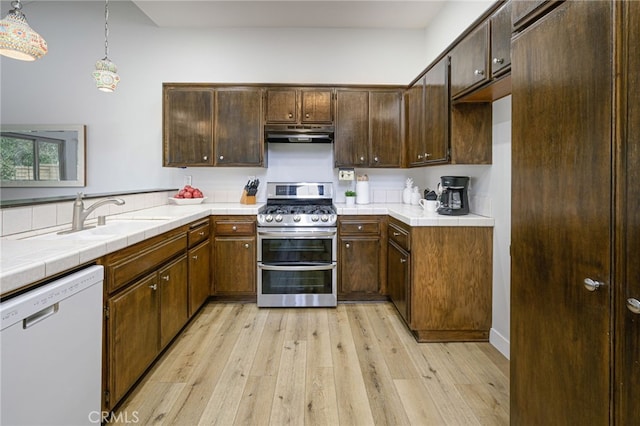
112, 229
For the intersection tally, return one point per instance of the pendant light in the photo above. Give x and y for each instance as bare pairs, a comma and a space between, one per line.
17, 38
106, 72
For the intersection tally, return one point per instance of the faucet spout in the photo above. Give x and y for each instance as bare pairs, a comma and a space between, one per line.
80, 214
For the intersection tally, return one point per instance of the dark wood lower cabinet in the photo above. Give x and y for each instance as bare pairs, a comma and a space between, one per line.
235, 257
575, 227
398, 268
173, 289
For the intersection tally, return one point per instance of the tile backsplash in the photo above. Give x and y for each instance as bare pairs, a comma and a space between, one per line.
16, 220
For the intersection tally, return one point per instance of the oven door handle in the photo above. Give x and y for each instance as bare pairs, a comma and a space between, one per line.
296, 234
298, 268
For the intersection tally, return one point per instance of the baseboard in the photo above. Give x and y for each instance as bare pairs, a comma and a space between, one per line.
500, 343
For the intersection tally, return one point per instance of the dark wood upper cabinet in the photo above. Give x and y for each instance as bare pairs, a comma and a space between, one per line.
188, 126
470, 62
239, 140
501, 40
524, 12
368, 128
299, 105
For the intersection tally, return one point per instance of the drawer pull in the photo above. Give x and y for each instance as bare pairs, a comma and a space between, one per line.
234, 228
166, 278
201, 233
195, 257
396, 234
359, 227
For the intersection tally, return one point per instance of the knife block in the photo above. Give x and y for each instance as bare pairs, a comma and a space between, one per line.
247, 199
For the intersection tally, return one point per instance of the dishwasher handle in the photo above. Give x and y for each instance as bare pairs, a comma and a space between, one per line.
39, 316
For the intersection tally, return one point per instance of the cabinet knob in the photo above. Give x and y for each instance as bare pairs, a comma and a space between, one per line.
403, 260
361, 158
592, 285
306, 115
633, 305
359, 227
376, 159
427, 155
419, 156
498, 61
153, 287
205, 157
478, 72
201, 233
194, 257
234, 228
246, 245
396, 234
166, 278
347, 245
290, 115
221, 157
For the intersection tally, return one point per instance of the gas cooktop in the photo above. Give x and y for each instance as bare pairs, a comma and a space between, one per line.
298, 204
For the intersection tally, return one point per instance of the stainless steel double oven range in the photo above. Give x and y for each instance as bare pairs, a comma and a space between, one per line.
297, 246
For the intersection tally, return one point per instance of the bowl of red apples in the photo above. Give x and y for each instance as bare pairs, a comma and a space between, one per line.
188, 195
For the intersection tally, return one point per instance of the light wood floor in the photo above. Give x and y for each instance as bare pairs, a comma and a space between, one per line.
356, 364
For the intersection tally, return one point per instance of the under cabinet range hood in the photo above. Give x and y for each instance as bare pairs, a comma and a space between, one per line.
298, 134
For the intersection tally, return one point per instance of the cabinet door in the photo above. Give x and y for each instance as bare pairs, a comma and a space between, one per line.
133, 334
436, 113
398, 278
199, 276
239, 138
414, 135
282, 106
172, 286
352, 128
501, 40
317, 106
628, 349
187, 131
360, 265
235, 266
469, 61
385, 112
561, 217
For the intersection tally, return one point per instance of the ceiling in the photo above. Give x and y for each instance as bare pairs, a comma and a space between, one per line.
396, 14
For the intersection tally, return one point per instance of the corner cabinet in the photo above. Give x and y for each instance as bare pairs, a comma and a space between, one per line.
368, 131
212, 125
440, 296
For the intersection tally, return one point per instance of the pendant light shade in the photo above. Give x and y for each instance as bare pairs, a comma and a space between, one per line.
17, 39
106, 72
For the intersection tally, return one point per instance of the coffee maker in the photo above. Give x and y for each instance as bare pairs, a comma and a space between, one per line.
454, 195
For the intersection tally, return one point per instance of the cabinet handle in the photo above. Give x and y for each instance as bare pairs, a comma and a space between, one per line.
592, 285
194, 257
201, 233
234, 228
246, 245
396, 234
205, 158
478, 72
153, 287
403, 260
347, 245
633, 305
166, 278
221, 157
498, 61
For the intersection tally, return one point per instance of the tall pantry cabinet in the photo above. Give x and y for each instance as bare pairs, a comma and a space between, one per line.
575, 238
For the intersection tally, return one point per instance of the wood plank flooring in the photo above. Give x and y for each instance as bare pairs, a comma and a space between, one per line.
357, 364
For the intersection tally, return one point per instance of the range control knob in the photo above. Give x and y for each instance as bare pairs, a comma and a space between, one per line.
315, 218
296, 218
278, 218
324, 218
269, 218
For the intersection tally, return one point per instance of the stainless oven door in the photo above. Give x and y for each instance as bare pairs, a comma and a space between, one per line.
297, 267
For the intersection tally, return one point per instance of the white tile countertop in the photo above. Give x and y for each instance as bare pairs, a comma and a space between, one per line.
28, 257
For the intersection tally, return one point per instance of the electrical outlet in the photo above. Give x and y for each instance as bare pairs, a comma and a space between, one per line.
346, 174
187, 180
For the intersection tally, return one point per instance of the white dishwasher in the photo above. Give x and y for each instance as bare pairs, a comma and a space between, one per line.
51, 352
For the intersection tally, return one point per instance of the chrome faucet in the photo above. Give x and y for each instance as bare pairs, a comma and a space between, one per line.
80, 213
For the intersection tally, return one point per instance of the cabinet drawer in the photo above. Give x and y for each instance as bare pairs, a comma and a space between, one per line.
400, 235
121, 272
235, 228
360, 227
198, 232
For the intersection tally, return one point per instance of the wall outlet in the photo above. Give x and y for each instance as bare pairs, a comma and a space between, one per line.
187, 180
346, 174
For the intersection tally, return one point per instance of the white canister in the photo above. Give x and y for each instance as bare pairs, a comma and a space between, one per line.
362, 192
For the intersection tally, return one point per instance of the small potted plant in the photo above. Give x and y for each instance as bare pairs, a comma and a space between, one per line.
350, 196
